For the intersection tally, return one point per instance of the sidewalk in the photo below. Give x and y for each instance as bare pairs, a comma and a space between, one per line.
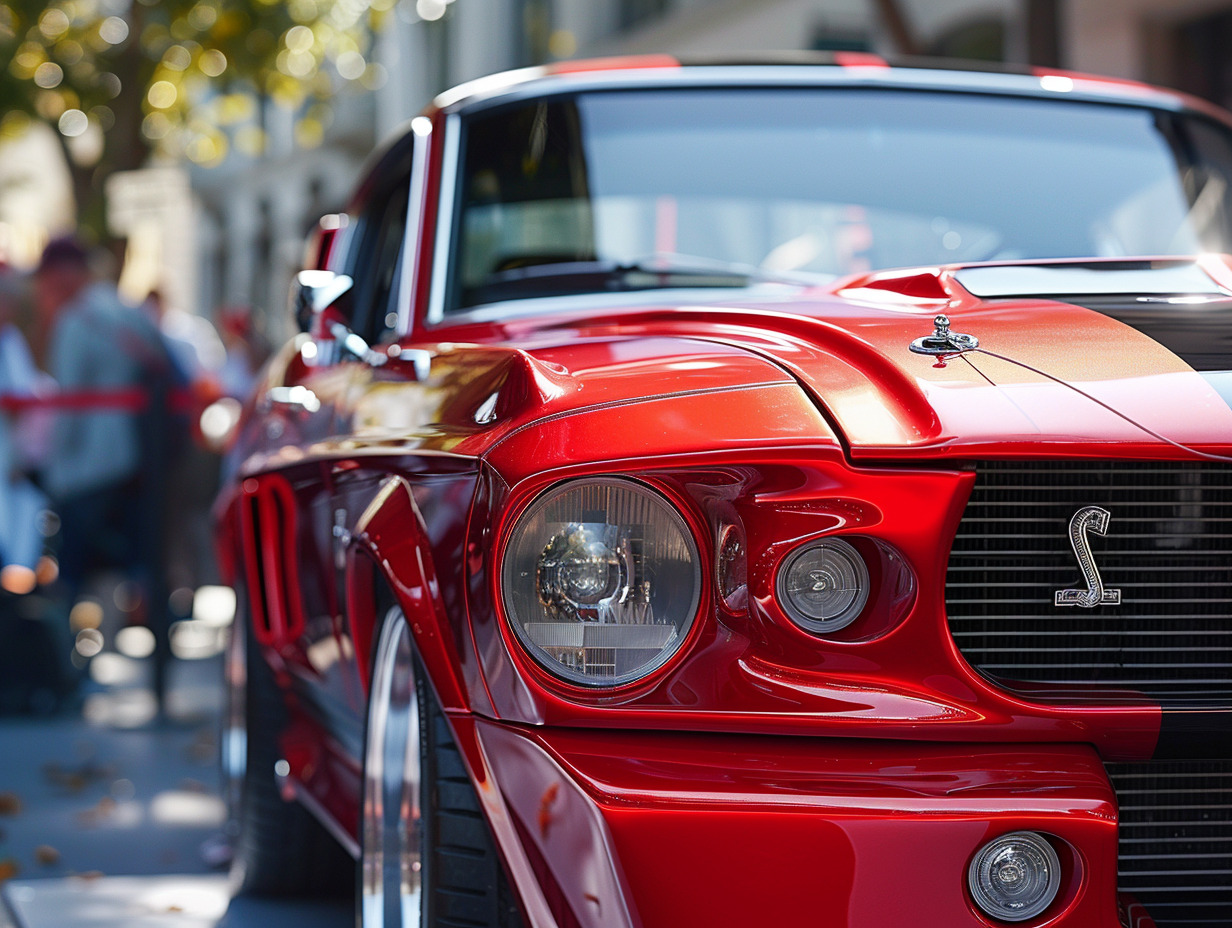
108, 816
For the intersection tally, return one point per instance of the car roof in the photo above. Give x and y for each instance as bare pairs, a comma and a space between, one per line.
805, 69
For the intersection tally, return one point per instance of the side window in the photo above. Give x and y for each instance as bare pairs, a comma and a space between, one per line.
377, 264
526, 197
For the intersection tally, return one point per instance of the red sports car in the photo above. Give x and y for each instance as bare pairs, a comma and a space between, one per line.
728, 494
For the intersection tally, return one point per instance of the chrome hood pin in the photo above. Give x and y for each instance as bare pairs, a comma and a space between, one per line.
943, 341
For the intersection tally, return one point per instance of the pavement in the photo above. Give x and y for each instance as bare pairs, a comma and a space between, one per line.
112, 817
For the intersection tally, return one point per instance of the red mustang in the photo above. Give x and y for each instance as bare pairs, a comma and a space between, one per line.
752, 495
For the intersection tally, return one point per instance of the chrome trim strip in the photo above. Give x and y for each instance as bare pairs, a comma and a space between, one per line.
444, 218
408, 285
483, 95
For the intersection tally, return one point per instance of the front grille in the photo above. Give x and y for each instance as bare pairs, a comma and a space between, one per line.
1176, 840
1168, 549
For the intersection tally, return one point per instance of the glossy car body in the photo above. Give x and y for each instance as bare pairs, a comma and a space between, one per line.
763, 772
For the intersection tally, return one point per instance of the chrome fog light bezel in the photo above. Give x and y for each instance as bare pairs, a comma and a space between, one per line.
1040, 851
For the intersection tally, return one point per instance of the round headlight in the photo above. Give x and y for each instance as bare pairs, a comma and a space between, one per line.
601, 581
823, 586
1015, 877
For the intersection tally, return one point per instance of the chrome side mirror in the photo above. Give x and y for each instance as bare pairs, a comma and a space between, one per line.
313, 292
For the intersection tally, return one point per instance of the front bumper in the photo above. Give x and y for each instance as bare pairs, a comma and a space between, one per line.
676, 830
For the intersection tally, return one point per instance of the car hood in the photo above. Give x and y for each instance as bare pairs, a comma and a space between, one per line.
1132, 354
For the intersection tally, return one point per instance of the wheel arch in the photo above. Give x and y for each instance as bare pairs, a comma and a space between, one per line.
390, 563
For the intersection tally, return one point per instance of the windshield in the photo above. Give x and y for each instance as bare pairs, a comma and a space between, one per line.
625, 190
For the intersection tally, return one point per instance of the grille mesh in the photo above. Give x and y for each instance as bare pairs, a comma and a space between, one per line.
1176, 840
1168, 549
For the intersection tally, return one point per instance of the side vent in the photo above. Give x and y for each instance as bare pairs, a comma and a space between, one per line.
268, 533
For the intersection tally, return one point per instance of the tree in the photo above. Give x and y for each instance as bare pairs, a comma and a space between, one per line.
122, 79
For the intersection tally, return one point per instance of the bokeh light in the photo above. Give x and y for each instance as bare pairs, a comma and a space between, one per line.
162, 95
86, 614
48, 75
54, 23
73, 123
212, 63
113, 30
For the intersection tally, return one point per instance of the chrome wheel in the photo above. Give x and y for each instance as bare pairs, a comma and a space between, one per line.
391, 863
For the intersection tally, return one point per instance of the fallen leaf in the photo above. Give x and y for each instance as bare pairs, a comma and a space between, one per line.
97, 812
46, 855
75, 779
10, 804
8, 869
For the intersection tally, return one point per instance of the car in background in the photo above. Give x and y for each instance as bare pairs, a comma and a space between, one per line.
794, 493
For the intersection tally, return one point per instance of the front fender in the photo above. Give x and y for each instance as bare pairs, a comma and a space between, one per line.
390, 545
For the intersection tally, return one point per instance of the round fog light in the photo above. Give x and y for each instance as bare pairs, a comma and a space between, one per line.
1015, 877
823, 587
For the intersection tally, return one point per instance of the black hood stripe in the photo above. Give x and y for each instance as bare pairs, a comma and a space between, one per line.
1197, 330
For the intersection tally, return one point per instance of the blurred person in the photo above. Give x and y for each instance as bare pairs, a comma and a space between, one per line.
36, 675
116, 434
193, 481
246, 351
192, 340
21, 543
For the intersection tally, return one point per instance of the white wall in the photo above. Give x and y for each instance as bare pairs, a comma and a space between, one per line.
1112, 36
36, 199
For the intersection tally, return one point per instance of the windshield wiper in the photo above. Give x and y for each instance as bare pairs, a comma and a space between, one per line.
551, 276
674, 263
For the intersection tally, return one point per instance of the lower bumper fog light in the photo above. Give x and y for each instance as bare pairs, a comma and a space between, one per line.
1015, 877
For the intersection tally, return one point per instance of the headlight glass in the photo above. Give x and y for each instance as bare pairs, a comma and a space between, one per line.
601, 581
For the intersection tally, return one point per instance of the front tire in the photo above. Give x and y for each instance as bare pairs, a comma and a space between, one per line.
279, 848
428, 859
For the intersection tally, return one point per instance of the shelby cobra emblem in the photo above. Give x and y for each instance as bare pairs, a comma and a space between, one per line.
1088, 518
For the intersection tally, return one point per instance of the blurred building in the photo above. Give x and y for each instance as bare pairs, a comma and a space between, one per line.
1179, 43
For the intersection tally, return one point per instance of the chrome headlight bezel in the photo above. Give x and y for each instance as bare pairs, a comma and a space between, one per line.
536, 601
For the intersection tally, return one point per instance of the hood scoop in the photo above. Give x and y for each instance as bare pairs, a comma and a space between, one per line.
1147, 280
